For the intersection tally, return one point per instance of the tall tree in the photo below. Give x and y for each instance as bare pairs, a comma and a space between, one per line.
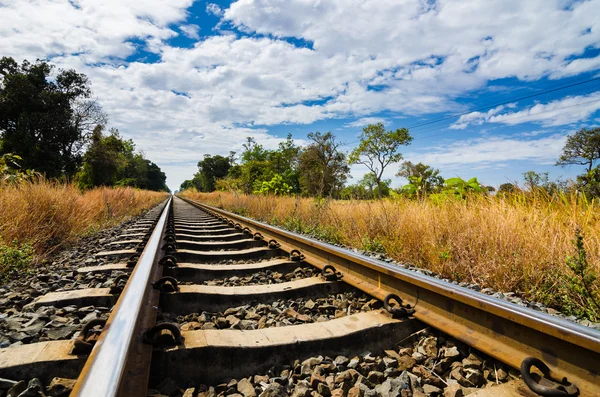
211, 169
581, 148
323, 167
112, 161
424, 178
45, 120
378, 148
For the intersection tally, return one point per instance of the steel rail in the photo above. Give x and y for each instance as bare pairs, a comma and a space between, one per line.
505, 331
105, 371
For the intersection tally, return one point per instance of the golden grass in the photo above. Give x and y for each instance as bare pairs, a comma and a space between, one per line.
515, 243
49, 214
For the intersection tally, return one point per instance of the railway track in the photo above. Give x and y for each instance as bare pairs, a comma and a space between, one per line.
205, 302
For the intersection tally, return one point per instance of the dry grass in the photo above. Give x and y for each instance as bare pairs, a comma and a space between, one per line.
516, 243
47, 215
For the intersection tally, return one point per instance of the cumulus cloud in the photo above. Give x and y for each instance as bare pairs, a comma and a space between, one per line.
191, 31
568, 110
214, 9
415, 60
491, 150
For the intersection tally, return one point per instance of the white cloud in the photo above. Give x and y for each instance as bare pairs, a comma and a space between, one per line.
191, 31
489, 150
415, 60
214, 9
568, 110
364, 121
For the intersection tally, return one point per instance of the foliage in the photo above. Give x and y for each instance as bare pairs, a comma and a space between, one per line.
322, 166
423, 179
458, 188
583, 282
378, 148
14, 257
112, 161
276, 186
507, 188
582, 148
210, 169
46, 119
589, 183
10, 170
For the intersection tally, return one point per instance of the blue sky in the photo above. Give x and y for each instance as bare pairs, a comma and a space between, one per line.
184, 78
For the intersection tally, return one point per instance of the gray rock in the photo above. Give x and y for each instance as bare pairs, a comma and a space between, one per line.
313, 361
432, 390
391, 388
341, 360
301, 389
353, 363
274, 390
245, 387
60, 387
64, 332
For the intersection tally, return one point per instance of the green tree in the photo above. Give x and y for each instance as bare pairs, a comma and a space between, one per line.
582, 148
589, 183
534, 180
112, 161
211, 169
507, 188
378, 148
322, 166
46, 120
422, 178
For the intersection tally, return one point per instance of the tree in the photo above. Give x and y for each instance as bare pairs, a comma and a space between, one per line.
323, 167
582, 148
507, 188
378, 148
111, 161
535, 180
423, 178
45, 120
589, 183
211, 169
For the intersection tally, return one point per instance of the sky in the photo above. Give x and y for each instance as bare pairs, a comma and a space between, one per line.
487, 88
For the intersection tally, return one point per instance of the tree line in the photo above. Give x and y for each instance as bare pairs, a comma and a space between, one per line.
322, 168
50, 124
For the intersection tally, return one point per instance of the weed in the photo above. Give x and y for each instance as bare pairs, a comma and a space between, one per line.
372, 245
14, 257
583, 282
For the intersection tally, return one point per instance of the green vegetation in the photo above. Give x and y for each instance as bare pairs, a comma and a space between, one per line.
111, 161
583, 282
378, 148
48, 119
14, 257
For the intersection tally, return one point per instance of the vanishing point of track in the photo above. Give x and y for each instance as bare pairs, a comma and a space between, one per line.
189, 243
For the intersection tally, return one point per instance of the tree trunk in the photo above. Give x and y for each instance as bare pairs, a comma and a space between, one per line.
378, 188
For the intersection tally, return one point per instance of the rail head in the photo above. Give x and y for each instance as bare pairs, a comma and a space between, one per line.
104, 370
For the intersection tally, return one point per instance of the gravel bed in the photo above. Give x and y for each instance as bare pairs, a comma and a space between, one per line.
280, 313
428, 364
21, 324
266, 277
